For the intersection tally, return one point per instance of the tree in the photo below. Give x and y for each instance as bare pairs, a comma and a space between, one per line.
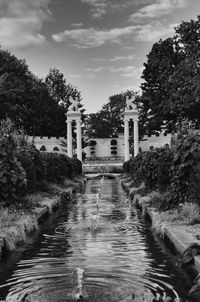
108, 122
26, 100
59, 89
161, 63
171, 91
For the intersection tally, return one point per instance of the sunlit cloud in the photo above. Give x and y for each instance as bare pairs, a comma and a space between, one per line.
154, 31
124, 71
128, 71
77, 24
115, 59
157, 9
99, 8
91, 37
21, 22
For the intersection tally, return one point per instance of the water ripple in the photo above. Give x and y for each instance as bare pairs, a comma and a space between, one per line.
103, 252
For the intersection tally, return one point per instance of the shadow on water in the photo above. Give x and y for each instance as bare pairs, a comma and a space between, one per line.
97, 248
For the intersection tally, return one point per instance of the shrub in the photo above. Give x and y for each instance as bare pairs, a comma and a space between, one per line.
76, 166
126, 166
32, 163
152, 168
57, 166
186, 168
12, 175
15, 135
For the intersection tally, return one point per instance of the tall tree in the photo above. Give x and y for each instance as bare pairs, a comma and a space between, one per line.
25, 99
58, 87
108, 122
161, 63
171, 91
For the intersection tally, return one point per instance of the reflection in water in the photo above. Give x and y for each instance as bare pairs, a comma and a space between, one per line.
100, 250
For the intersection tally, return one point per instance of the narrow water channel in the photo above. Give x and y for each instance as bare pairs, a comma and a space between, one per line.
98, 248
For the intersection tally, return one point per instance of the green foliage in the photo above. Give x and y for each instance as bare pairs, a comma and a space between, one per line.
31, 161
186, 168
12, 175
58, 88
15, 135
152, 168
26, 100
126, 166
59, 166
76, 166
172, 80
108, 122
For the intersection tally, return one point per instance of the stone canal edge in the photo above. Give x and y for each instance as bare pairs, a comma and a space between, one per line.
179, 239
45, 211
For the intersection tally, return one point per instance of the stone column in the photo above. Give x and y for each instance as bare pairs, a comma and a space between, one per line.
78, 139
69, 138
126, 139
136, 137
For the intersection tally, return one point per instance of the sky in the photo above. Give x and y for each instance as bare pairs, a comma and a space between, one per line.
99, 45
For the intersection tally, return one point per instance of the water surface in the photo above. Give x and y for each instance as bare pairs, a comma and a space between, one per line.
98, 247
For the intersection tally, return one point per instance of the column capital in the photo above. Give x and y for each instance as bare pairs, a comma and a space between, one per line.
73, 115
131, 115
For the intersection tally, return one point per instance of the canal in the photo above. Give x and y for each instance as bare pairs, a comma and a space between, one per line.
98, 247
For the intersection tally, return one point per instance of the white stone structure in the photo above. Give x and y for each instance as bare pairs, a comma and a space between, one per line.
74, 116
103, 145
130, 113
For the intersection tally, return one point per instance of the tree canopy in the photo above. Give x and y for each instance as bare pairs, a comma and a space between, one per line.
170, 91
31, 102
108, 122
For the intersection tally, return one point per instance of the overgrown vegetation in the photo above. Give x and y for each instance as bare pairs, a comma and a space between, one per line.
15, 226
173, 170
24, 169
151, 167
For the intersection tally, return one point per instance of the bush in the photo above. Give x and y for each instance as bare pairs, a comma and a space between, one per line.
12, 175
126, 166
32, 163
186, 168
76, 166
152, 168
59, 166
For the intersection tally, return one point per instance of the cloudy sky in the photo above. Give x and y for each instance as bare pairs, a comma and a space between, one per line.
99, 45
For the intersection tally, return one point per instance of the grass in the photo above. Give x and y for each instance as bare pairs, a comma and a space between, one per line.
15, 226
17, 222
187, 214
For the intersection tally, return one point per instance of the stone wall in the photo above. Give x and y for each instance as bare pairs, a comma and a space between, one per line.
102, 149
48, 142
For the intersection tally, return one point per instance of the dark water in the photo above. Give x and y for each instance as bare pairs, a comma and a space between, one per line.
103, 252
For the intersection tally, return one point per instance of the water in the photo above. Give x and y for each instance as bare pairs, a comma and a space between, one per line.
97, 248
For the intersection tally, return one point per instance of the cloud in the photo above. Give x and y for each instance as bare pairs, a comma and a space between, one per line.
21, 22
99, 8
115, 59
124, 71
91, 37
157, 9
84, 38
128, 71
152, 32
77, 24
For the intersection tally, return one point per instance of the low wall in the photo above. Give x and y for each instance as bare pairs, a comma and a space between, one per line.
102, 167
